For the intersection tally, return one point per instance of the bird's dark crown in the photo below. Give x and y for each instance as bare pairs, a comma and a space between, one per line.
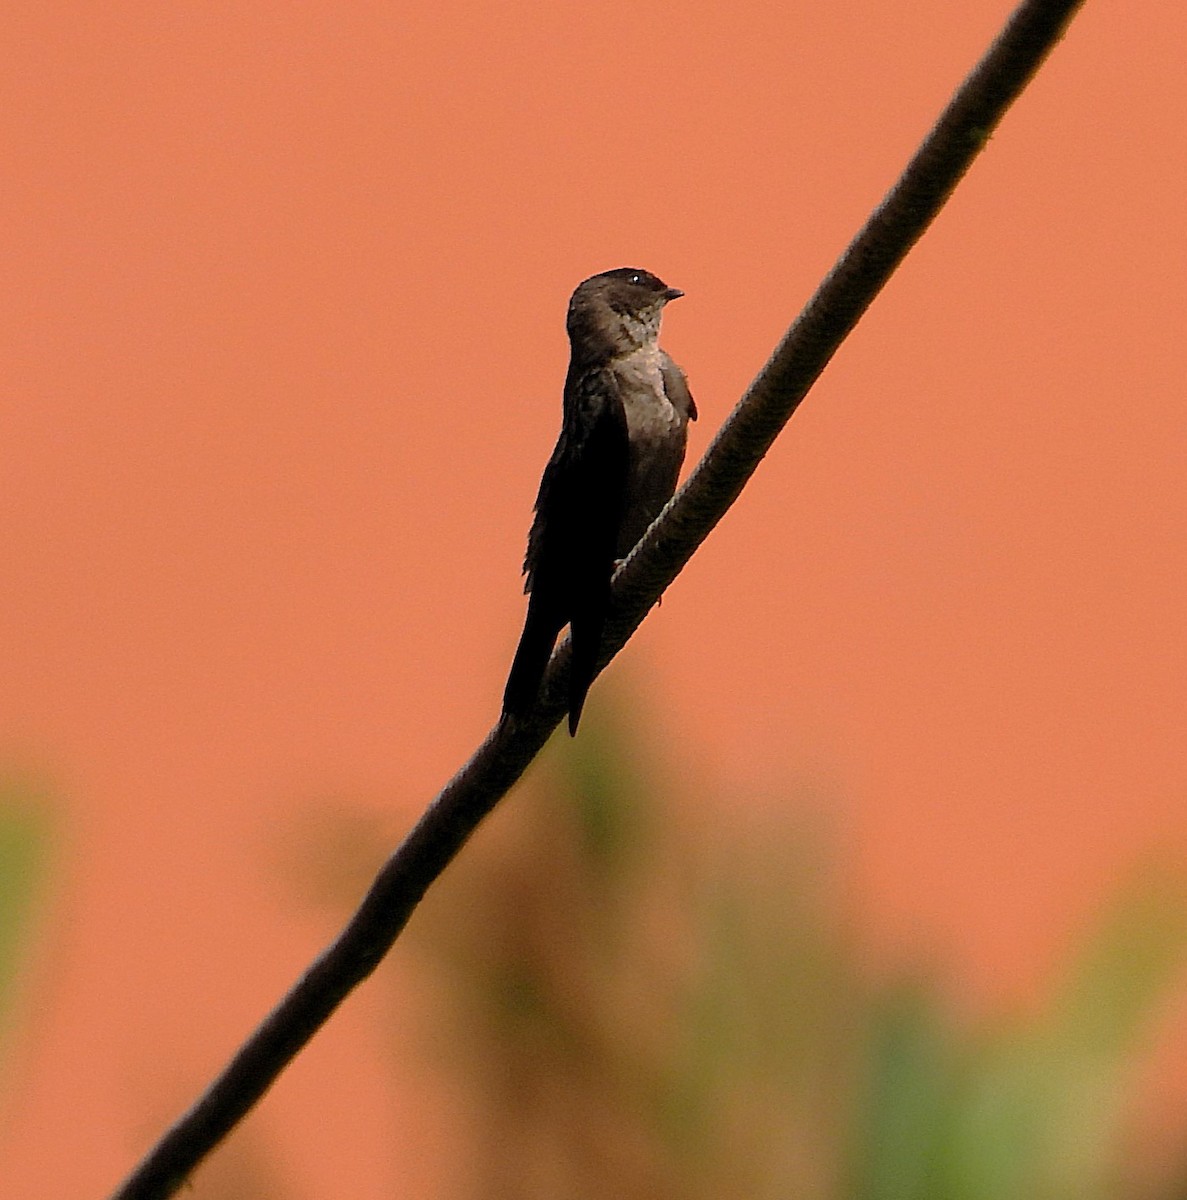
628, 286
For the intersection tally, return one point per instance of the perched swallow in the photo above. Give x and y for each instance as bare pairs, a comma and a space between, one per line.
623, 436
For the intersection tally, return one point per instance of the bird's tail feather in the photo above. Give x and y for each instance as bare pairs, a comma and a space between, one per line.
531, 660
587, 641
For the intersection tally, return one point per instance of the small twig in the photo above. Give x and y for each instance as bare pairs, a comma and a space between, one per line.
740, 445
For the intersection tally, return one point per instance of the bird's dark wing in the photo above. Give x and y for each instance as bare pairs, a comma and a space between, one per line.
570, 556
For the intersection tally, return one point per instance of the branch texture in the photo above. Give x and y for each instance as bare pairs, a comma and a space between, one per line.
743, 440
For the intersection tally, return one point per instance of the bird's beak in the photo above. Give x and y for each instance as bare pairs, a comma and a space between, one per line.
672, 294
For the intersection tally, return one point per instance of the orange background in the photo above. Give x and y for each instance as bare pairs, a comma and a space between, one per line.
282, 345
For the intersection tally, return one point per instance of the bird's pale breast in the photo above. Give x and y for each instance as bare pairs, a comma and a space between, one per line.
656, 430
650, 415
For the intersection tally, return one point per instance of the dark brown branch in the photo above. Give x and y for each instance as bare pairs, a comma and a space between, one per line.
737, 450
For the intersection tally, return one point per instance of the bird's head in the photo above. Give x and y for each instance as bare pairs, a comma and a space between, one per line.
617, 311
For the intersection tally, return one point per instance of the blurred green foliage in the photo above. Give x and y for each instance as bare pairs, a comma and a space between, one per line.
637, 1011
24, 846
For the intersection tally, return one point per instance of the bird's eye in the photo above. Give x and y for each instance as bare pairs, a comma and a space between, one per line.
636, 278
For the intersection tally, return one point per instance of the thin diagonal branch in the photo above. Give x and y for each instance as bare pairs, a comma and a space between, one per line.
743, 440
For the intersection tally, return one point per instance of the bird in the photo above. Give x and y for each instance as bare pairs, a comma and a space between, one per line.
624, 431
